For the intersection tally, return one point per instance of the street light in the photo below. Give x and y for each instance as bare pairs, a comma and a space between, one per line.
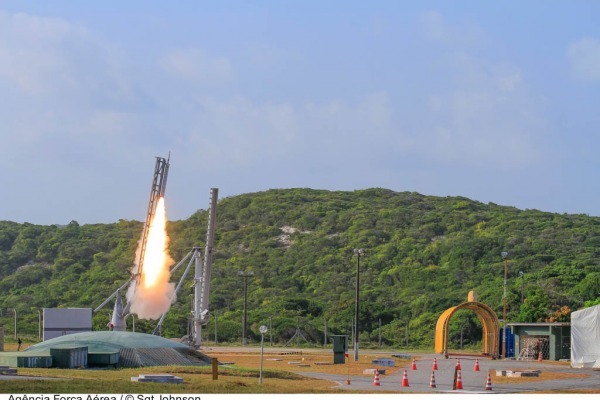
245, 275
39, 324
271, 331
358, 253
505, 258
215, 314
522, 275
263, 330
15, 311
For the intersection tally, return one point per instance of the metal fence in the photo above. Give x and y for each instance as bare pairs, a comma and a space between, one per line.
532, 346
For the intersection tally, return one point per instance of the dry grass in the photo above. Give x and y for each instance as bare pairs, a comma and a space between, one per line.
14, 346
197, 380
252, 360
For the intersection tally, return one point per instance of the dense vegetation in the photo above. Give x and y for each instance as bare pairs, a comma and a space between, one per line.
422, 255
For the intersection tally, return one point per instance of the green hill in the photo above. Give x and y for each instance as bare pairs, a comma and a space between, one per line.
422, 255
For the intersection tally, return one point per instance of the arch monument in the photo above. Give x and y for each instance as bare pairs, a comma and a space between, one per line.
489, 322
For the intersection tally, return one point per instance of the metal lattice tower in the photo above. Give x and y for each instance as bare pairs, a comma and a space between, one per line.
159, 184
202, 273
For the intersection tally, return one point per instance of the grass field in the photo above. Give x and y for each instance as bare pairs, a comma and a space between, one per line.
239, 375
242, 376
197, 380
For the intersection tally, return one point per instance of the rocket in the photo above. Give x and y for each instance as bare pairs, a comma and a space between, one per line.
159, 186
117, 322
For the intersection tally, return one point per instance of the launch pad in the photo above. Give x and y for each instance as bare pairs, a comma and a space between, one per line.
202, 269
106, 349
116, 347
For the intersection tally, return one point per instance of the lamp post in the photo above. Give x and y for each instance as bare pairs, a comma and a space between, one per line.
262, 329
15, 311
522, 275
245, 275
39, 324
505, 258
215, 313
358, 253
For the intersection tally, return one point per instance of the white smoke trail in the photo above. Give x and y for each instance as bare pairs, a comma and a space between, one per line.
152, 294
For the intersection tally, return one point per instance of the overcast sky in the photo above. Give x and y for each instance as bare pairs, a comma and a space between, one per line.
497, 101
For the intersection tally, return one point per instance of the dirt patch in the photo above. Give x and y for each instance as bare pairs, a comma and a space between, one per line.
317, 362
544, 376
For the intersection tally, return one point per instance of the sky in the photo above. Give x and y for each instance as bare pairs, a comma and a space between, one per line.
497, 101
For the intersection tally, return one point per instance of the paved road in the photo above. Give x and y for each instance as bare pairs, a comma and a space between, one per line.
473, 382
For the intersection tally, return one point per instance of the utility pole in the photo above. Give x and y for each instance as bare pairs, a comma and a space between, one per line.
522, 275
505, 258
15, 311
358, 253
245, 276
39, 324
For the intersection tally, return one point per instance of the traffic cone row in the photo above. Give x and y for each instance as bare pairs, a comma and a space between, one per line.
432, 384
405, 379
432, 380
414, 365
376, 380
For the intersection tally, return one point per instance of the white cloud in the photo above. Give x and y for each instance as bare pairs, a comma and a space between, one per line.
507, 78
487, 116
70, 93
433, 25
237, 132
30, 51
584, 56
194, 66
464, 33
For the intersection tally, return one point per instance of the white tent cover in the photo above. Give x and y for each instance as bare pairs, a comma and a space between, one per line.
585, 337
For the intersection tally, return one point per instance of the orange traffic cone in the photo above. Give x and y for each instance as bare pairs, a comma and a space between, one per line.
540, 357
434, 367
458, 364
476, 368
376, 380
459, 381
405, 379
432, 380
414, 365
488, 383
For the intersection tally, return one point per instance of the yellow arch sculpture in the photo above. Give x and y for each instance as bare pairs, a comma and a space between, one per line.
489, 321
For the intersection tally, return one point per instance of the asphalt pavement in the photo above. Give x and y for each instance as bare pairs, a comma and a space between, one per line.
472, 381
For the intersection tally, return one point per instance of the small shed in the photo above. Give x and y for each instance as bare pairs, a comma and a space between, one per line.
551, 339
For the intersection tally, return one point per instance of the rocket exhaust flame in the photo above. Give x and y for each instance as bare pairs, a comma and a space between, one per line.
151, 294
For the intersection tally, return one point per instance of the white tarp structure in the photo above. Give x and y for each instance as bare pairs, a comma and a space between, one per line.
585, 338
